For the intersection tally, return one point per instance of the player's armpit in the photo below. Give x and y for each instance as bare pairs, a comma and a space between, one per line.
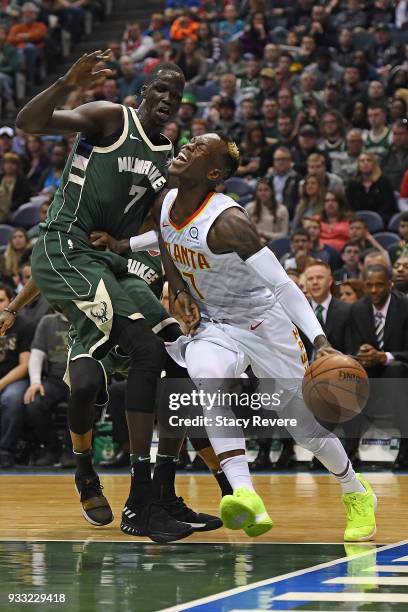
233, 231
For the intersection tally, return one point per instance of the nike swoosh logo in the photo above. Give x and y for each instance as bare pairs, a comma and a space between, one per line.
134, 137
253, 327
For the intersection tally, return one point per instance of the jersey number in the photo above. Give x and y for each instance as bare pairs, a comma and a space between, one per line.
136, 191
191, 278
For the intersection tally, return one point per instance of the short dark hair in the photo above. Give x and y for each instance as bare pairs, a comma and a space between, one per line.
163, 67
404, 216
7, 290
352, 243
299, 232
366, 252
378, 268
357, 219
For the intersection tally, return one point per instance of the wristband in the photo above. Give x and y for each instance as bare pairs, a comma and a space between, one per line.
180, 291
13, 312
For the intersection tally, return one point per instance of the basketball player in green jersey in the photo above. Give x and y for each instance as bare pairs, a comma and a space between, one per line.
116, 168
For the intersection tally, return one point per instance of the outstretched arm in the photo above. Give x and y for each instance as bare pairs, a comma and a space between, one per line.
234, 232
39, 116
26, 295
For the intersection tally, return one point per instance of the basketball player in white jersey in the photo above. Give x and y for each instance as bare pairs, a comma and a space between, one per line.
217, 266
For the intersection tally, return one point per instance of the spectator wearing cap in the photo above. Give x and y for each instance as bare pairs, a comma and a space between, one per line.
325, 68
384, 53
227, 122
256, 35
130, 82
6, 140
396, 160
14, 187
305, 145
268, 85
9, 65
135, 44
28, 37
371, 190
186, 114
345, 163
230, 27
184, 27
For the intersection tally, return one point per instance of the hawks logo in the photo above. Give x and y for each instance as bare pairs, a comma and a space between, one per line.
100, 314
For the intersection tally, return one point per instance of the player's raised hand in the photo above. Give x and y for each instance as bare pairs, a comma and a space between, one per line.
83, 73
7, 320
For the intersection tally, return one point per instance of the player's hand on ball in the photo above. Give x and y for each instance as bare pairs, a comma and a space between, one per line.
7, 320
82, 72
186, 308
323, 347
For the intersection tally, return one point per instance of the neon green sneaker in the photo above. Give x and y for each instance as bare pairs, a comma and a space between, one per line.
360, 510
245, 510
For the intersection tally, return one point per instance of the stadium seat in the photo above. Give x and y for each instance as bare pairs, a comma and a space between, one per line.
394, 222
386, 239
206, 92
280, 246
239, 186
26, 216
373, 220
5, 231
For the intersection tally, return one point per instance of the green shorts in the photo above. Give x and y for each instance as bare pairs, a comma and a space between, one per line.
84, 284
150, 308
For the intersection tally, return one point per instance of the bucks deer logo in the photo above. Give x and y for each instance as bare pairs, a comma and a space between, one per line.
100, 314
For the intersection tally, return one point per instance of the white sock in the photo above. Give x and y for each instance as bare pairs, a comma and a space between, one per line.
237, 472
349, 482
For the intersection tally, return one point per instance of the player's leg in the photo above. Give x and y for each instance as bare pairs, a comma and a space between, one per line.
86, 379
244, 509
143, 514
358, 496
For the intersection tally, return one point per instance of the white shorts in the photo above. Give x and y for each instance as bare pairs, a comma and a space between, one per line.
270, 345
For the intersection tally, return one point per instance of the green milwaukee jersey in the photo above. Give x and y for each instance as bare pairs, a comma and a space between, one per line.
147, 266
110, 188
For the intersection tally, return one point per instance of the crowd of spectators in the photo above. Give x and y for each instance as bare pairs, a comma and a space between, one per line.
314, 93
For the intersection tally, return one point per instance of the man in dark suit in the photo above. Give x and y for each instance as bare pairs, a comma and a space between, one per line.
379, 332
333, 314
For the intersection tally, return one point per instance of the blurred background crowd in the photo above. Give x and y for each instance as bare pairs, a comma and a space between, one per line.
315, 94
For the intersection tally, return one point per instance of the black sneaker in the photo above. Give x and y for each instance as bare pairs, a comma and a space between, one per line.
153, 521
95, 506
197, 520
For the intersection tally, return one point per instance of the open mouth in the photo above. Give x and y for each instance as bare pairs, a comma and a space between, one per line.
181, 157
164, 113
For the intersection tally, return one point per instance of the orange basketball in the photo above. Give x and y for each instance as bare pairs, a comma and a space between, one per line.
335, 388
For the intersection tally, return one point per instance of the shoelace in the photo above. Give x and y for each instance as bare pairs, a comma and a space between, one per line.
355, 505
179, 504
92, 485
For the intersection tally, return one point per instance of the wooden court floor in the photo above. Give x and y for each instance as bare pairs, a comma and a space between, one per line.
304, 507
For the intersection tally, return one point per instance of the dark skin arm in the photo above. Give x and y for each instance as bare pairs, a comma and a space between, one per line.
94, 119
232, 232
26, 295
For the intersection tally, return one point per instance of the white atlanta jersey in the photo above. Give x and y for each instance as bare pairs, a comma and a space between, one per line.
225, 289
